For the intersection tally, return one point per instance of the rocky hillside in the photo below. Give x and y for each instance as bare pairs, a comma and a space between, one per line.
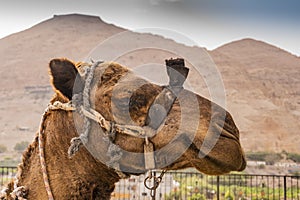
261, 81
263, 90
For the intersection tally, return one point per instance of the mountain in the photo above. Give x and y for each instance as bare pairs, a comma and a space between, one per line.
263, 84
261, 81
26, 53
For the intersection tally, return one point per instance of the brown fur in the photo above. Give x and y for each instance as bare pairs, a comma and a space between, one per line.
85, 177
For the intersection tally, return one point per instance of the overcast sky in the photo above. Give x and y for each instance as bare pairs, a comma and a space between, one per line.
210, 23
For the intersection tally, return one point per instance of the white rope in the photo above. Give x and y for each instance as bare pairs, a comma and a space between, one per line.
57, 105
3, 193
19, 193
114, 151
83, 138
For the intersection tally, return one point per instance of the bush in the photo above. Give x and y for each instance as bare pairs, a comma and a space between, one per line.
257, 156
2, 148
269, 157
272, 158
21, 146
296, 174
9, 161
261, 166
294, 157
228, 195
173, 195
197, 197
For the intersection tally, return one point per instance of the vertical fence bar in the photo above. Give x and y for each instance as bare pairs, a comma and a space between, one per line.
2, 176
225, 186
154, 175
180, 191
291, 187
274, 186
218, 187
186, 184
298, 194
284, 187
256, 189
166, 180
138, 188
268, 187
279, 186
245, 186
251, 184
229, 185
119, 191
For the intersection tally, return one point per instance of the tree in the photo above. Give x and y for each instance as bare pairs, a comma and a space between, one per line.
2, 148
21, 146
294, 157
272, 158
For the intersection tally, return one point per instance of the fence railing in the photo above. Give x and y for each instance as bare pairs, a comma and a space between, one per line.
6, 175
177, 185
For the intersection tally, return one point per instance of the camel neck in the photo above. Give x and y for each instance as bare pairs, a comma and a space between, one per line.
79, 177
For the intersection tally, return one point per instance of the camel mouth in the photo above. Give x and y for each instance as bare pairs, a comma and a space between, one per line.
243, 165
229, 160
220, 149
228, 135
241, 162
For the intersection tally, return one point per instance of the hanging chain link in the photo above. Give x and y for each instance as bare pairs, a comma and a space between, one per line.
156, 182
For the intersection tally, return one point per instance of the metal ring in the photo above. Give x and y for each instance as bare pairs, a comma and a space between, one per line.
145, 184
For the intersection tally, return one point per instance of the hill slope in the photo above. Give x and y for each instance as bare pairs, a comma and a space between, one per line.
24, 83
263, 84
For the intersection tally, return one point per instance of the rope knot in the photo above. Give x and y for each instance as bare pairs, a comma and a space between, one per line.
74, 147
20, 193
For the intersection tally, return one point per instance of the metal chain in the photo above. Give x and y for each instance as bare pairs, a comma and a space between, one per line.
156, 182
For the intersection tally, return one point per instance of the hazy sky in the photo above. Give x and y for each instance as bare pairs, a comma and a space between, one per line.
210, 23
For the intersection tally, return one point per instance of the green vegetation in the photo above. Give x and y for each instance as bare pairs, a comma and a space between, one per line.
272, 158
269, 157
229, 195
197, 187
4, 170
9, 161
3, 148
257, 156
6, 175
21, 146
197, 197
294, 157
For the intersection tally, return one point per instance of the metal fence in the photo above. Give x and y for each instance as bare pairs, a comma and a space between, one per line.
6, 175
195, 186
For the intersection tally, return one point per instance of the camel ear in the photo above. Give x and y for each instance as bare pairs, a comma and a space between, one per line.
63, 74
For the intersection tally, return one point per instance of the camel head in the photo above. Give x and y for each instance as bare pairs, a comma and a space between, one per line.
195, 132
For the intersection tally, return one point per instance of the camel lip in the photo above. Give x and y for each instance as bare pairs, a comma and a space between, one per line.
226, 131
230, 136
244, 164
243, 158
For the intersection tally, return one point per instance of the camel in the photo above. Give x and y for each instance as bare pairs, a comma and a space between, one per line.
88, 174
